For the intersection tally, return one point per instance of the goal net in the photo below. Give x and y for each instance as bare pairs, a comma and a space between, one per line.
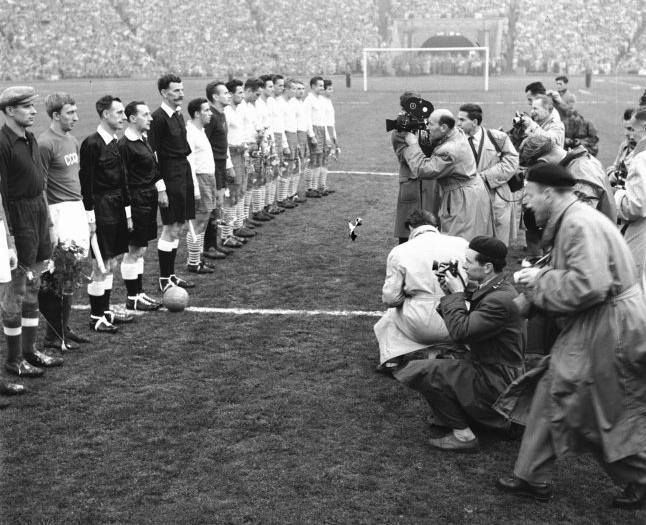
435, 62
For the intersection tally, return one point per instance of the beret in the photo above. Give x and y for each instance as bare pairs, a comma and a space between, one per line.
553, 175
16, 95
490, 247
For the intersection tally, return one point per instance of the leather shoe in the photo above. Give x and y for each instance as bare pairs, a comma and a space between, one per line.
313, 194
41, 360
102, 325
633, 497
117, 317
23, 369
298, 200
244, 232
140, 304
214, 254
200, 268
286, 204
260, 217
11, 389
57, 344
182, 283
329, 191
71, 335
231, 242
520, 487
452, 444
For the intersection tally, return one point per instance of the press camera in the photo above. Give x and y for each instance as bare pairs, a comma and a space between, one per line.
414, 116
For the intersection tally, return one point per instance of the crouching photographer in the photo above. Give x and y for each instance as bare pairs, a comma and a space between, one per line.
464, 207
462, 391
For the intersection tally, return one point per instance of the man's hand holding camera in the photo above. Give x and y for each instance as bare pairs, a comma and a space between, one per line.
450, 283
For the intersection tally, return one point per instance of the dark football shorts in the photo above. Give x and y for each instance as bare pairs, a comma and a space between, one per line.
30, 221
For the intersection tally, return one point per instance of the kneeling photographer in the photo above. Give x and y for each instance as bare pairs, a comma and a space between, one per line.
462, 391
464, 208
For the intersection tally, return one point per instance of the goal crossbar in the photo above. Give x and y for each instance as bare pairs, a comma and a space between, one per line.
367, 50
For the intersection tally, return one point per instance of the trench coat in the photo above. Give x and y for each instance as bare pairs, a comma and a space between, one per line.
496, 169
584, 167
465, 209
412, 293
413, 193
595, 375
631, 204
551, 127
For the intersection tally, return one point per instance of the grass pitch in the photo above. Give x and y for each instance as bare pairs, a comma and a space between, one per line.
217, 418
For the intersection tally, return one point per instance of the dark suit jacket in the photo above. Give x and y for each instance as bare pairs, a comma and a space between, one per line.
493, 327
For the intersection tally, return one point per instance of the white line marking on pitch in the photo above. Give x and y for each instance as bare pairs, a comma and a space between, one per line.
585, 91
264, 311
384, 173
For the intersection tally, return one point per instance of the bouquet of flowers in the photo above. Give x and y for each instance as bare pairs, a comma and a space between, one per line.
65, 272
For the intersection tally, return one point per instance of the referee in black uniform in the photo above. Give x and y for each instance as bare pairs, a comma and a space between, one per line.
22, 186
143, 181
107, 203
167, 137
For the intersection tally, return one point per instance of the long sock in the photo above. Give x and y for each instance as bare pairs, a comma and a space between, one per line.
269, 193
323, 178
309, 177
96, 291
174, 256
316, 175
238, 222
13, 335
282, 189
228, 219
165, 253
140, 275
29, 324
194, 245
129, 273
256, 199
246, 205
263, 196
107, 283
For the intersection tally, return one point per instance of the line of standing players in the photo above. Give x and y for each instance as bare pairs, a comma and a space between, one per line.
236, 164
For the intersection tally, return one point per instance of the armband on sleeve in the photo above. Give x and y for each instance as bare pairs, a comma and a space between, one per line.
91, 219
160, 185
128, 212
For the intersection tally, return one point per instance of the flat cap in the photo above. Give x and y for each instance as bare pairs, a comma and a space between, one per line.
553, 175
490, 247
17, 95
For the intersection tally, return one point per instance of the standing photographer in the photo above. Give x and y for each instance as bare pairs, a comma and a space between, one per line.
543, 120
631, 200
465, 210
414, 193
496, 162
617, 171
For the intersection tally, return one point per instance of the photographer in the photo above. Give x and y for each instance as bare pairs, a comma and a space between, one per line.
462, 391
542, 121
617, 171
414, 193
465, 210
412, 291
592, 184
631, 200
496, 162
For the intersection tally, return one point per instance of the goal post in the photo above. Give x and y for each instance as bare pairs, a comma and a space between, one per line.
402, 50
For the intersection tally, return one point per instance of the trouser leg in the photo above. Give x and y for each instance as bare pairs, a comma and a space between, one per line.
537, 455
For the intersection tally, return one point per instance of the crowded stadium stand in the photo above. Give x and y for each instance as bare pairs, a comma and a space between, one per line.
112, 38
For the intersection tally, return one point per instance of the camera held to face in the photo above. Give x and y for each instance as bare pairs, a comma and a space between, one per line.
414, 117
441, 268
